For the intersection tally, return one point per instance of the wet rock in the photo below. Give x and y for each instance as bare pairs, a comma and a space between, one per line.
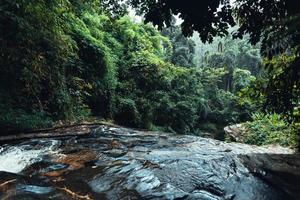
34, 189
17, 186
78, 159
280, 171
121, 163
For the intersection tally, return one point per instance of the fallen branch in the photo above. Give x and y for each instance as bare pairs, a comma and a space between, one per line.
62, 132
99, 123
75, 195
7, 182
80, 129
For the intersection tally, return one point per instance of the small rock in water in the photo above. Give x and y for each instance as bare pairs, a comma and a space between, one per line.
34, 189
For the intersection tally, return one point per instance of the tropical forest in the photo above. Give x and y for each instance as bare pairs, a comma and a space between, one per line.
150, 99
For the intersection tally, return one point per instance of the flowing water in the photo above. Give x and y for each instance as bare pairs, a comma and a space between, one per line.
119, 163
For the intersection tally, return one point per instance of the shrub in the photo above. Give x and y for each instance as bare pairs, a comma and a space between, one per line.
15, 120
271, 129
126, 113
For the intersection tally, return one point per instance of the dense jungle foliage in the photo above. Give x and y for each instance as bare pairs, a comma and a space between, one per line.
72, 60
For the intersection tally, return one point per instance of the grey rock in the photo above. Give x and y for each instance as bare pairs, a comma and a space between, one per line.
122, 163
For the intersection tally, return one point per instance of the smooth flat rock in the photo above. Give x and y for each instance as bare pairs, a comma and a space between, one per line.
120, 163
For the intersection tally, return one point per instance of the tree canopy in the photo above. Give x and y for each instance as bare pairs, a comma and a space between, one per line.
74, 60
273, 23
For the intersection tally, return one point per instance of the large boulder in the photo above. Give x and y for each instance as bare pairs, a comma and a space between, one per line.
236, 132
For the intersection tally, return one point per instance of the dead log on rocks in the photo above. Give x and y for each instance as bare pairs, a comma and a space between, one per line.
78, 130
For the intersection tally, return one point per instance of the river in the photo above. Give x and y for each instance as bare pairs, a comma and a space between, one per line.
121, 163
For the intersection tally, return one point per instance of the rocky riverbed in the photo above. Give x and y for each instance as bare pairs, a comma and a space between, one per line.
120, 163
